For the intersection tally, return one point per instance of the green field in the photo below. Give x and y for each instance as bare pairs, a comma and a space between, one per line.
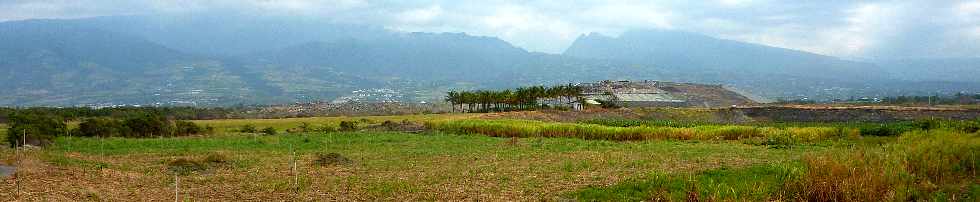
465, 158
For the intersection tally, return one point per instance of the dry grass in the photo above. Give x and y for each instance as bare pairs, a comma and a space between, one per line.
856, 176
922, 165
386, 167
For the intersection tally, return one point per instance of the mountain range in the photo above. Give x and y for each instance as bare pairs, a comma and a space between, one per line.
224, 60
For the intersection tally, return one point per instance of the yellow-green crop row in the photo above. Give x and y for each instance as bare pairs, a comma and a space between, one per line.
526, 128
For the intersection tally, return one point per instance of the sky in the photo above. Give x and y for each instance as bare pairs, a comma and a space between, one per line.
874, 29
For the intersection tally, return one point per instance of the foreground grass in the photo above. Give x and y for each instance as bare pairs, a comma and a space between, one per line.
386, 166
924, 165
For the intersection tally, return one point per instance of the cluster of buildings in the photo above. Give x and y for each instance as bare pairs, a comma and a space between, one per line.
631, 94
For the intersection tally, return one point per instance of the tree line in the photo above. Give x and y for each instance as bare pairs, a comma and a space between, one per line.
41, 129
522, 98
958, 98
76, 113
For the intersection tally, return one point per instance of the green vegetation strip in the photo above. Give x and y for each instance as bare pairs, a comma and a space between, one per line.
524, 128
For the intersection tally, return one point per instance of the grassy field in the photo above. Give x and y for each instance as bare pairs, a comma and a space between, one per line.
229, 125
466, 158
931, 166
384, 166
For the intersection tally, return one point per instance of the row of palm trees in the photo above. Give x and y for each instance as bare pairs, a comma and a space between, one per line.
523, 98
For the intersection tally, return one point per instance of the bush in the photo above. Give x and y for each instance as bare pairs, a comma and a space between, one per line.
141, 126
147, 125
348, 126
269, 131
248, 128
101, 127
305, 127
187, 128
37, 129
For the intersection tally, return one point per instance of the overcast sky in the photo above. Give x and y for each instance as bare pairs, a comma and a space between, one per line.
843, 28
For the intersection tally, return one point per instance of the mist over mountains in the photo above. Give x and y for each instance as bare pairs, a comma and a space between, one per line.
215, 60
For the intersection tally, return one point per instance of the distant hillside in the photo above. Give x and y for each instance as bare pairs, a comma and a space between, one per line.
225, 60
56, 63
935, 69
410, 55
230, 35
684, 51
764, 70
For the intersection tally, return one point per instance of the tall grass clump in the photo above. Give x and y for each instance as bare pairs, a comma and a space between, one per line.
921, 165
941, 160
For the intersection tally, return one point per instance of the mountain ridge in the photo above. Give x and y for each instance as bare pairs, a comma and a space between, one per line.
107, 64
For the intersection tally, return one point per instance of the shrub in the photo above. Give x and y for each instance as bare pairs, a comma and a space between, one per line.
37, 129
183, 128
269, 131
147, 125
101, 127
305, 127
248, 128
348, 126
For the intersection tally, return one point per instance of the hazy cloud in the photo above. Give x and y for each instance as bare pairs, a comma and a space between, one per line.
845, 28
